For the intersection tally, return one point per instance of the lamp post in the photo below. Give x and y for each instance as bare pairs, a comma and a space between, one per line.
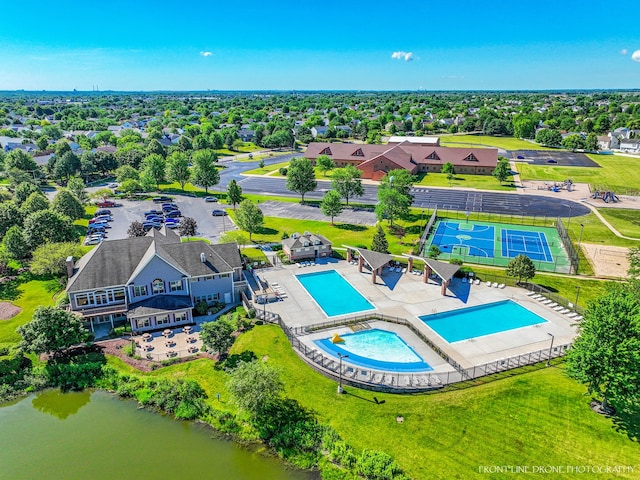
340, 389
568, 221
577, 294
580, 238
550, 348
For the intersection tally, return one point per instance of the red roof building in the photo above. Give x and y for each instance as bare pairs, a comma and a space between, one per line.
376, 160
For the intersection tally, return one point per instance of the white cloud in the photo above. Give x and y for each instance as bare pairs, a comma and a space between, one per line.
624, 51
400, 55
635, 56
206, 54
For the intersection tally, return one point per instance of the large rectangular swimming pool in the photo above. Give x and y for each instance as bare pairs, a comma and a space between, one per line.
333, 294
471, 322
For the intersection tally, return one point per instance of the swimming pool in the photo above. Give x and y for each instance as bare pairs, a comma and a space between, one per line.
333, 294
471, 322
376, 349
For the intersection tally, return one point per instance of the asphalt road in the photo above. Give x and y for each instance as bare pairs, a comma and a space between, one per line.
235, 169
448, 199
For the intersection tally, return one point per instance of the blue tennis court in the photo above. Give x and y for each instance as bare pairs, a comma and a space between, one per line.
532, 244
491, 241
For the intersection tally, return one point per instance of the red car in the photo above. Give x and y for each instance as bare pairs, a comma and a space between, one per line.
106, 204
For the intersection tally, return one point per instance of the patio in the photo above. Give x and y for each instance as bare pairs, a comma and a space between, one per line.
170, 343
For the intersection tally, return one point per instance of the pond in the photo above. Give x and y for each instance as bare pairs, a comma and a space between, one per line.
96, 435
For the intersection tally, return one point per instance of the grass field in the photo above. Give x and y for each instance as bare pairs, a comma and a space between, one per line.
483, 182
508, 143
28, 293
619, 174
627, 222
267, 169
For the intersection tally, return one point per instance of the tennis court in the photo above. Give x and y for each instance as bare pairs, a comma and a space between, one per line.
495, 244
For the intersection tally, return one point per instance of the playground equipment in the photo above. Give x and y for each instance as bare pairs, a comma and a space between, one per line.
556, 187
606, 196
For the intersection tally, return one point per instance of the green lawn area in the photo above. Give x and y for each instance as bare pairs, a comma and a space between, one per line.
246, 147
627, 222
254, 255
619, 174
484, 182
27, 292
536, 418
264, 156
508, 143
267, 169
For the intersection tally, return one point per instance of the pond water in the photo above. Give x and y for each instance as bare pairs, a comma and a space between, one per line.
95, 435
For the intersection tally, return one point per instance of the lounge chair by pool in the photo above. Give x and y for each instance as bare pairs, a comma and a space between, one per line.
488, 284
494, 284
502, 285
464, 279
476, 281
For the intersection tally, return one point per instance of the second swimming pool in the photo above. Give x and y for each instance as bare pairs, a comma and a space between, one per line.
471, 322
333, 294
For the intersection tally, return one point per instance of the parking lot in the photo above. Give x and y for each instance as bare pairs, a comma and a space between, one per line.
209, 227
553, 157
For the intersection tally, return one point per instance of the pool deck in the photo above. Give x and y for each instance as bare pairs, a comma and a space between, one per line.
406, 296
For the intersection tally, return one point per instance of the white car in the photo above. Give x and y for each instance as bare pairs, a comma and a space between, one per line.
91, 240
112, 185
211, 199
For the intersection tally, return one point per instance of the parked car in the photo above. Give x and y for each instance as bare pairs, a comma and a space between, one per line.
155, 219
92, 240
218, 213
104, 216
149, 225
173, 214
153, 212
96, 228
161, 199
171, 220
103, 211
112, 185
169, 205
100, 223
170, 210
107, 204
172, 225
211, 199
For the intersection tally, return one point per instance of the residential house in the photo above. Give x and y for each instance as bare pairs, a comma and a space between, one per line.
306, 246
344, 128
376, 160
152, 282
319, 131
246, 135
608, 142
630, 146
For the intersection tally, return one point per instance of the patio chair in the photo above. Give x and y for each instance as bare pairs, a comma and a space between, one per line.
502, 285
552, 304
404, 270
391, 269
436, 379
565, 311
488, 284
558, 308
398, 269
578, 318
546, 302
494, 284
572, 315
407, 381
391, 381
298, 265
464, 279
476, 281
531, 293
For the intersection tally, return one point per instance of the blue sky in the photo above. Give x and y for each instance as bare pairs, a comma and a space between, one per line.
285, 45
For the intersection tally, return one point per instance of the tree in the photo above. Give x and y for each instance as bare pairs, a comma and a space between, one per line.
549, 137
380, 243
77, 187
254, 386
331, 205
394, 197
47, 226
22, 192
434, 251
154, 147
10, 215
155, 166
126, 172
249, 217
136, 229
634, 263
573, 142
101, 194
130, 186
65, 166
187, 227
178, 168
51, 330
448, 168
66, 203
217, 336
20, 160
324, 164
234, 193
524, 127
237, 236
36, 202
50, 259
606, 354
502, 170
521, 267
591, 143
301, 177
346, 181
15, 244
205, 174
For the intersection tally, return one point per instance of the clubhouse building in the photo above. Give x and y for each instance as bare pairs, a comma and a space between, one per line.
416, 154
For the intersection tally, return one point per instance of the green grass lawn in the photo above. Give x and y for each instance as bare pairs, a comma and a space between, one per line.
254, 255
508, 143
264, 156
537, 418
27, 292
618, 173
483, 182
267, 169
246, 147
627, 222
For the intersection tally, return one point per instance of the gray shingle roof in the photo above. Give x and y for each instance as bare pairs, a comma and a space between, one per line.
159, 304
113, 262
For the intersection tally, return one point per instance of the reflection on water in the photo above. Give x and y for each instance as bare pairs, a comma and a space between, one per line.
61, 406
98, 436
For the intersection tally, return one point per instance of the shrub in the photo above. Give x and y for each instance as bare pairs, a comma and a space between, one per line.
455, 261
10, 360
284, 236
201, 308
251, 313
283, 171
376, 465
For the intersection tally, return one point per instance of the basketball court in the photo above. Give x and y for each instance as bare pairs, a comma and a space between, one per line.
553, 157
495, 244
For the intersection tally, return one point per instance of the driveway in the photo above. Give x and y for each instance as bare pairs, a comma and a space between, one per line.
309, 212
